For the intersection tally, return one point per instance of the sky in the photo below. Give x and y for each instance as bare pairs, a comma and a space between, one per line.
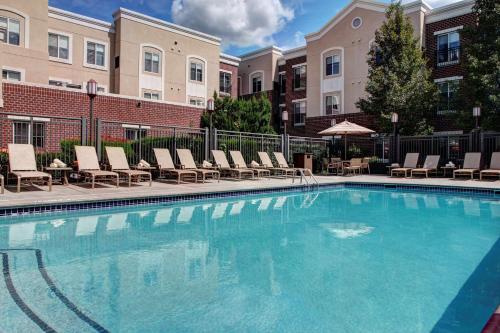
243, 25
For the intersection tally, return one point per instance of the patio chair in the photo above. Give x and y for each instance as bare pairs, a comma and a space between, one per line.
187, 163
268, 164
166, 165
23, 165
88, 165
355, 165
118, 163
224, 167
494, 169
365, 164
239, 162
472, 164
335, 164
410, 163
430, 166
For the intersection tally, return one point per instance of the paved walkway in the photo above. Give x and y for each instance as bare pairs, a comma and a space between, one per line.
36, 195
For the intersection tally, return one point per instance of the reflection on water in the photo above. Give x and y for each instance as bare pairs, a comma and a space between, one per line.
297, 262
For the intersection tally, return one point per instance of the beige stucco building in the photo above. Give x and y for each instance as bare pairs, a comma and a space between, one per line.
134, 55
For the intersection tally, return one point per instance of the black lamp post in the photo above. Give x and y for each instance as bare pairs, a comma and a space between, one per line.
92, 93
476, 113
284, 119
394, 121
210, 110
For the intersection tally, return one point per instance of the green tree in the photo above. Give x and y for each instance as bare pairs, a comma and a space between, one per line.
481, 84
398, 77
243, 115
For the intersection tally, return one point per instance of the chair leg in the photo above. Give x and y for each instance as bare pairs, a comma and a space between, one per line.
93, 182
117, 181
18, 184
2, 185
150, 180
49, 181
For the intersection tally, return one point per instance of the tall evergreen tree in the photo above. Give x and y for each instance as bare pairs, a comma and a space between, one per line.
398, 77
481, 84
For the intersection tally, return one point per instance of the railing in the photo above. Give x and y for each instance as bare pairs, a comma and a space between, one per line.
248, 143
449, 147
53, 137
138, 140
449, 56
490, 143
319, 147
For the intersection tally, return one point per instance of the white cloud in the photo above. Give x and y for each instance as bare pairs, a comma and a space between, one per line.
241, 23
298, 40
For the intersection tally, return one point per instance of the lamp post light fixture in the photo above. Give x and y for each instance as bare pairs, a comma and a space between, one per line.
210, 110
476, 113
394, 121
92, 93
284, 118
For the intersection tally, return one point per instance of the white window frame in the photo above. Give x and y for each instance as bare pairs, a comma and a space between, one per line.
221, 71
447, 82
65, 82
151, 94
197, 62
199, 101
29, 122
70, 46
337, 96
299, 101
280, 81
7, 31
152, 62
250, 82
22, 71
326, 67
294, 68
448, 32
106, 54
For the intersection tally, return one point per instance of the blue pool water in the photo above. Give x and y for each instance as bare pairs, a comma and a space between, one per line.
339, 260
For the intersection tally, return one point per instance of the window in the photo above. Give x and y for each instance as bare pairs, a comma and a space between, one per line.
299, 77
22, 133
10, 31
225, 83
447, 98
448, 52
332, 65
196, 71
331, 105
96, 54
196, 101
282, 83
151, 95
58, 83
11, 75
58, 46
151, 62
299, 113
356, 22
256, 83
132, 134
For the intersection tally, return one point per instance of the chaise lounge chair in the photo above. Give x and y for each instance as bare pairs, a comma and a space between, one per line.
494, 169
410, 163
280, 158
472, 164
239, 162
430, 166
268, 164
187, 163
224, 167
166, 165
23, 165
88, 165
118, 163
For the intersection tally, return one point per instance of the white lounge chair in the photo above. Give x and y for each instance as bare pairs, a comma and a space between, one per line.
118, 163
268, 164
224, 167
166, 165
187, 163
23, 165
430, 166
410, 163
472, 164
239, 162
494, 168
88, 165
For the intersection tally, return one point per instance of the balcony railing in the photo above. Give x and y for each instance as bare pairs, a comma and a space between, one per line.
446, 57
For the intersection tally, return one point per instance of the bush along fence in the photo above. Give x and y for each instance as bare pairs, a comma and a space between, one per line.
55, 137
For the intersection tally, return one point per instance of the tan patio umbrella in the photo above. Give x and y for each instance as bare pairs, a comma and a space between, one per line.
346, 128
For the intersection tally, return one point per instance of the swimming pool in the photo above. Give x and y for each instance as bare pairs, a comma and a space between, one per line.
337, 260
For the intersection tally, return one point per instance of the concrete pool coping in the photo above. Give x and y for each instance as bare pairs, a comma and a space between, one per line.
74, 194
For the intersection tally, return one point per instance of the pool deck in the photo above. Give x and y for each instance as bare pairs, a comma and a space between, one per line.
38, 195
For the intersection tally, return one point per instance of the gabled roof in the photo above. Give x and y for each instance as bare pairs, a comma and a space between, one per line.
365, 4
75, 18
261, 52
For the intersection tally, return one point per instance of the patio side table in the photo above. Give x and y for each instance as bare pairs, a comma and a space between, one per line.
446, 168
61, 172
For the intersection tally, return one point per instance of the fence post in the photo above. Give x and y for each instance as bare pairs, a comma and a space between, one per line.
214, 142
175, 146
140, 142
97, 143
262, 142
207, 142
83, 134
239, 139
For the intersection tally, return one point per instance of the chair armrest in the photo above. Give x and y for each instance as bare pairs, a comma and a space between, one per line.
182, 166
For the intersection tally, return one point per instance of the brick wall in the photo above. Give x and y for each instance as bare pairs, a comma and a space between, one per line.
234, 77
48, 102
431, 44
292, 94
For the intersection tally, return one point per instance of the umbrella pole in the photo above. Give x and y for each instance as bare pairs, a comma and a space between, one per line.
345, 147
